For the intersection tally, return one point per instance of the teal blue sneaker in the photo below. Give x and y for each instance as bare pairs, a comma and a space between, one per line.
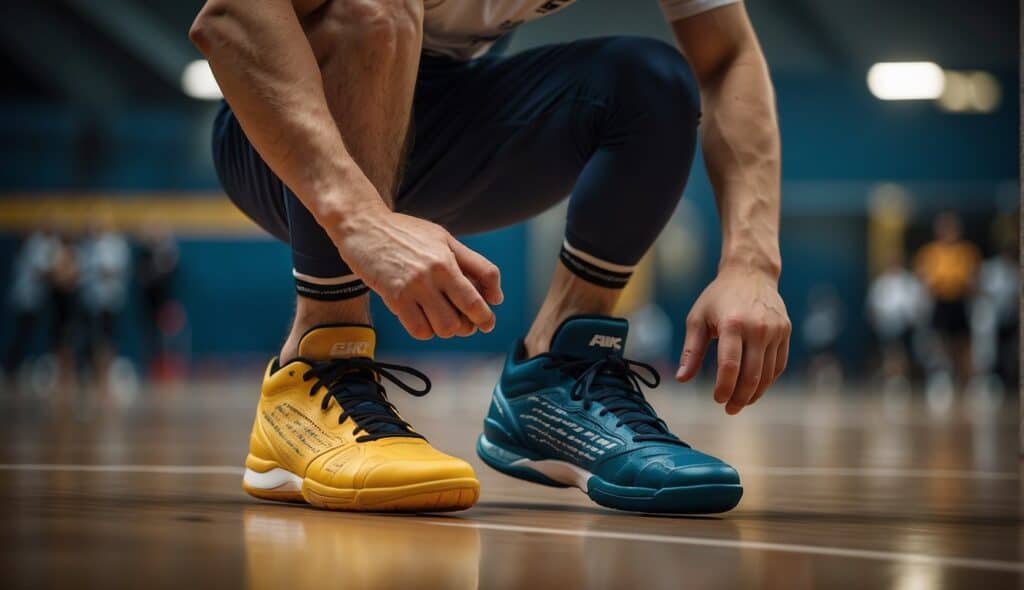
577, 416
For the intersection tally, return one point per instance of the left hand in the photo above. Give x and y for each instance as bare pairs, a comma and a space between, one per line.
743, 309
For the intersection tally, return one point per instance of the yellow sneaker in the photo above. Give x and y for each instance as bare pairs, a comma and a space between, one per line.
326, 434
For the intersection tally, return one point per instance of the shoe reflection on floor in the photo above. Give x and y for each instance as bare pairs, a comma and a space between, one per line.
286, 547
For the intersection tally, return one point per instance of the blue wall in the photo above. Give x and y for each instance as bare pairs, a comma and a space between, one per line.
837, 140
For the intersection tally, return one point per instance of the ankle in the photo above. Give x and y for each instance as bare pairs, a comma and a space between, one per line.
568, 296
535, 345
538, 339
310, 313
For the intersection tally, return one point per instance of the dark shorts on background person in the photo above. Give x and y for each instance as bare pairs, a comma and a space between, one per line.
950, 318
498, 140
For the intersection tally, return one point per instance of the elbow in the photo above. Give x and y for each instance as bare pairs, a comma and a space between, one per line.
210, 26
200, 35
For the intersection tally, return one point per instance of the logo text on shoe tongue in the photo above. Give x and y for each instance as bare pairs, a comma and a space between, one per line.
605, 341
349, 349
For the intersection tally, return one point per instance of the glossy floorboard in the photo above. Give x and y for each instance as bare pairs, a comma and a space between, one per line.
856, 490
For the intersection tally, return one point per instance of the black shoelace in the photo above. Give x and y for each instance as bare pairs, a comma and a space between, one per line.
354, 384
614, 382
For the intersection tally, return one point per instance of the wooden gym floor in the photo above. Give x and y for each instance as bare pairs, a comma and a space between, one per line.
841, 491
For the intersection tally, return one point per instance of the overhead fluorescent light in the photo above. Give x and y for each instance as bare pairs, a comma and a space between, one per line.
985, 92
197, 81
956, 96
970, 92
910, 80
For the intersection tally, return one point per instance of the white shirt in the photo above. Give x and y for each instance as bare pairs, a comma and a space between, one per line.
999, 283
105, 261
464, 29
897, 301
34, 260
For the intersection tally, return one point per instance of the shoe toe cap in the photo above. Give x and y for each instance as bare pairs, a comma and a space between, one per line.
413, 472
712, 473
665, 468
404, 472
391, 464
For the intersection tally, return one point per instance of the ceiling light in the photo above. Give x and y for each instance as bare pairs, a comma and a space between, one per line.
970, 92
985, 92
912, 80
197, 81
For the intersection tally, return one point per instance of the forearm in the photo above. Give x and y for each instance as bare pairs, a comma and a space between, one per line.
742, 153
739, 133
269, 75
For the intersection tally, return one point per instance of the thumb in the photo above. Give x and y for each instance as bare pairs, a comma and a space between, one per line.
694, 348
478, 269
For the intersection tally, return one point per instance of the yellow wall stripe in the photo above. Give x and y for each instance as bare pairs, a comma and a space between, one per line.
199, 214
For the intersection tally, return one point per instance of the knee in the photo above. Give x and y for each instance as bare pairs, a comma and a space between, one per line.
379, 25
653, 76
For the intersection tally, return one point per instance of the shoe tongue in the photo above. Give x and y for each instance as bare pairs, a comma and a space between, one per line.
590, 337
333, 342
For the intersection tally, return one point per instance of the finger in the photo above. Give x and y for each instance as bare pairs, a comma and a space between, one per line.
443, 317
730, 353
480, 270
412, 319
466, 327
694, 347
767, 372
782, 358
467, 300
750, 374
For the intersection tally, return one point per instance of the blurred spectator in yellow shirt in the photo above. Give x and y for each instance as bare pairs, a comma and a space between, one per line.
948, 266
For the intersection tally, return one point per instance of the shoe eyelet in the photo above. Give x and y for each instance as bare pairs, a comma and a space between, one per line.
291, 373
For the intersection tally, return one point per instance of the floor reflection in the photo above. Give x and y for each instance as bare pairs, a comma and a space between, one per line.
108, 495
538, 545
299, 548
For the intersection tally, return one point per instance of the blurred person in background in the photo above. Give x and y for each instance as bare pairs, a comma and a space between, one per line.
897, 305
62, 282
362, 133
820, 329
155, 269
29, 293
105, 259
998, 298
948, 267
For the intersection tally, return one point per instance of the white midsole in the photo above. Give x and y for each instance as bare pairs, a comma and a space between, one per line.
277, 479
560, 471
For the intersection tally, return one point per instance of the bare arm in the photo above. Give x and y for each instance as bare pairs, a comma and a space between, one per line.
741, 307
275, 73
740, 132
270, 77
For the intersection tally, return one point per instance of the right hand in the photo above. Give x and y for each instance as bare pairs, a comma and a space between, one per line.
435, 285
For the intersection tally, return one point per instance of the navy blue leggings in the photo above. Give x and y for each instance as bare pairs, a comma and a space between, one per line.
498, 140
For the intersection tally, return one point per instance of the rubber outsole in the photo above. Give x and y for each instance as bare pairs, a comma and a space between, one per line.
698, 499
444, 495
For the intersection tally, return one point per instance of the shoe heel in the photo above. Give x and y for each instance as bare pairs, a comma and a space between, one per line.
511, 462
264, 480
